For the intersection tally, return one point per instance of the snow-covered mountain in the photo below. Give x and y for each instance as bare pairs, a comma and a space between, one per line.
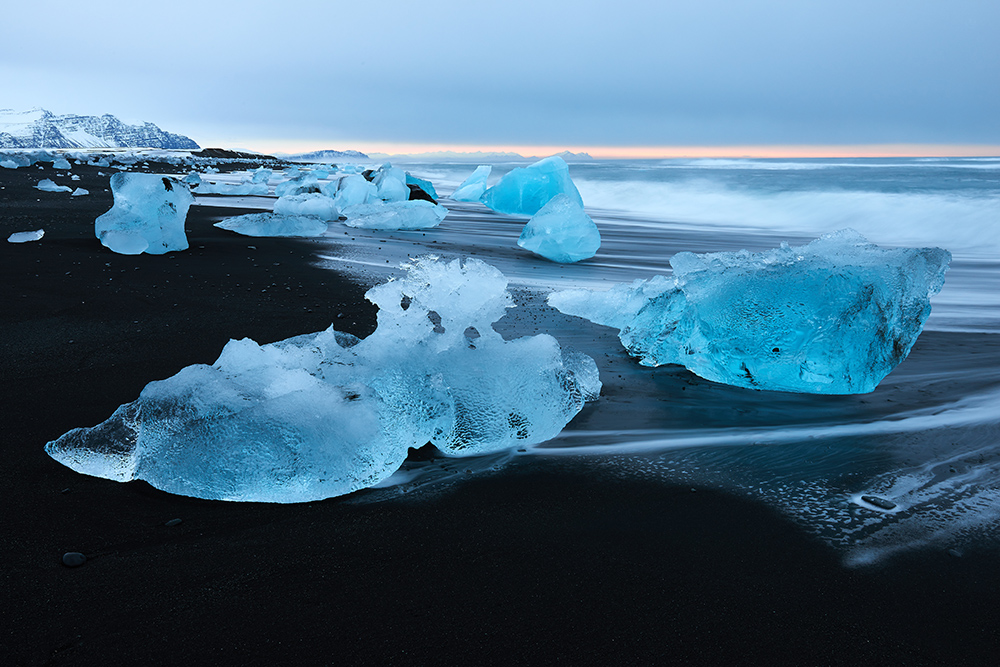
39, 128
319, 156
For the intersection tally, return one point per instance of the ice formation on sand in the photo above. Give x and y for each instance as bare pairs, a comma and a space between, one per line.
525, 190
831, 317
61, 163
314, 204
561, 231
474, 186
423, 184
350, 191
391, 183
148, 215
47, 185
273, 224
25, 237
416, 214
80, 192
324, 414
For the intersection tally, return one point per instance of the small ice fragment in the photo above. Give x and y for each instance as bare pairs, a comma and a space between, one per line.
415, 214
61, 163
272, 224
25, 237
47, 185
525, 190
423, 184
561, 232
193, 178
262, 175
74, 177
474, 186
80, 192
8, 164
831, 317
312, 204
148, 215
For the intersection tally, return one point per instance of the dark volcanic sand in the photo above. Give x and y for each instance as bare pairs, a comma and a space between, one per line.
546, 561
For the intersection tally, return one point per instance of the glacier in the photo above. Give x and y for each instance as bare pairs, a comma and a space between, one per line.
390, 215
274, 224
148, 215
325, 414
561, 232
832, 317
525, 190
472, 188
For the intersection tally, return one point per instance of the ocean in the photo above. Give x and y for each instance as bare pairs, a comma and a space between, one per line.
927, 440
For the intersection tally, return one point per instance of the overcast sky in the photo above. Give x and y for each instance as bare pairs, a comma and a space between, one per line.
365, 74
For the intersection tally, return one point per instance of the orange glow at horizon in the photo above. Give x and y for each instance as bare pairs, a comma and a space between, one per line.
647, 152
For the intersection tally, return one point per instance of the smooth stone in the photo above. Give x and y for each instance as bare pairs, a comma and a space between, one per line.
173, 522
73, 559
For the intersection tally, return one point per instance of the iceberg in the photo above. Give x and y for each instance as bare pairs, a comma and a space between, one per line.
26, 237
310, 204
561, 232
273, 224
148, 215
525, 190
416, 214
325, 414
831, 317
47, 185
474, 186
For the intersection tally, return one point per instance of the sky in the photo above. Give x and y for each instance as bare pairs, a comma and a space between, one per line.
607, 77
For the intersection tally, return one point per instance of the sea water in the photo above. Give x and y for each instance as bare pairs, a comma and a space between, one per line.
927, 440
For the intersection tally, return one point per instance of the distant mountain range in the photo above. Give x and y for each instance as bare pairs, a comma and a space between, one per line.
39, 128
322, 156
478, 156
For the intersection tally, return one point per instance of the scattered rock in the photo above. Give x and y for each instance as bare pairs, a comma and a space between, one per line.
73, 559
173, 522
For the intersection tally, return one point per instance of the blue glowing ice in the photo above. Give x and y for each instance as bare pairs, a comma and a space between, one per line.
423, 184
831, 317
474, 186
274, 224
415, 214
148, 215
561, 231
525, 190
324, 414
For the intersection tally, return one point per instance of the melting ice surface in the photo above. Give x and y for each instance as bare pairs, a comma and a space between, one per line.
148, 215
274, 224
561, 231
832, 317
324, 414
472, 188
416, 214
525, 190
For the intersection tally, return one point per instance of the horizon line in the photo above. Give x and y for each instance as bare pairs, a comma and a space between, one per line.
882, 150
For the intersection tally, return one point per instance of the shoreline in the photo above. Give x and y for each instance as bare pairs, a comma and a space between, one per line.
548, 559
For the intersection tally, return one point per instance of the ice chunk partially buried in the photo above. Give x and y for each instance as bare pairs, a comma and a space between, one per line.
474, 186
831, 317
525, 190
274, 224
324, 414
561, 232
148, 215
415, 214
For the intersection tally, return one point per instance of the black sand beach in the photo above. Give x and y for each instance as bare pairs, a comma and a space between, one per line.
547, 561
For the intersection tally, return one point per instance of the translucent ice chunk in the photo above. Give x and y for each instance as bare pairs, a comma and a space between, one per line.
561, 231
351, 191
261, 175
422, 183
391, 183
148, 215
232, 189
474, 186
26, 237
324, 414
312, 204
272, 224
8, 164
525, 190
80, 192
47, 185
193, 178
297, 186
61, 163
831, 317
416, 214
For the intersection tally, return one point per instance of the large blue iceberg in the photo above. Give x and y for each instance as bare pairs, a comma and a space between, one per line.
324, 414
525, 190
831, 317
474, 186
148, 215
561, 232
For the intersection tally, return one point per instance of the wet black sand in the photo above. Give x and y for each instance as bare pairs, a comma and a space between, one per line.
548, 561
